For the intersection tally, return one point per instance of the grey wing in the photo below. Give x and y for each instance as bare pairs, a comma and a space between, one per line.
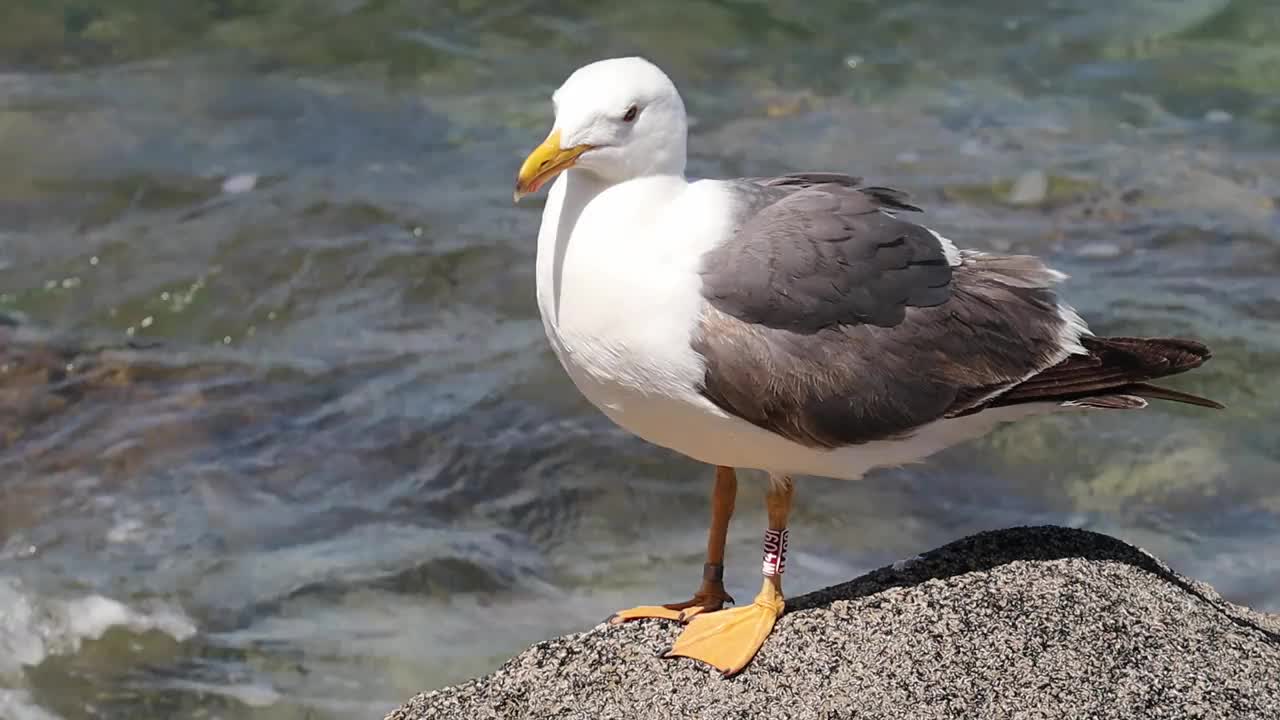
807, 256
832, 322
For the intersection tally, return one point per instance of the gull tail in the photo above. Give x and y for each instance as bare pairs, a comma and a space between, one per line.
1114, 374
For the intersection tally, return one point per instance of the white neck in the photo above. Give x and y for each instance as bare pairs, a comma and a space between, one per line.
567, 198
580, 188
671, 158
574, 192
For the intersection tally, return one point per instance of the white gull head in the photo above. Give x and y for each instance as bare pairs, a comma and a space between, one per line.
618, 119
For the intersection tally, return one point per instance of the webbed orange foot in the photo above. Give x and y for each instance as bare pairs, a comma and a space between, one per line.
709, 598
728, 639
703, 601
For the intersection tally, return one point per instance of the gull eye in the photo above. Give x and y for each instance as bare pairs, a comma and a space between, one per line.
630, 115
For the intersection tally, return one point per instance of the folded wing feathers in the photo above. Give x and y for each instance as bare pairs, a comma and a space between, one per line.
1114, 365
832, 322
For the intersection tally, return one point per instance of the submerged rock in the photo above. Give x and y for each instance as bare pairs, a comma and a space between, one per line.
1027, 622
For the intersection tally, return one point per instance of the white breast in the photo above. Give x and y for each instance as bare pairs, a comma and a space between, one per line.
618, 289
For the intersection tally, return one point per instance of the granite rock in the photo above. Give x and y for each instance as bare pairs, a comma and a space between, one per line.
1043, 622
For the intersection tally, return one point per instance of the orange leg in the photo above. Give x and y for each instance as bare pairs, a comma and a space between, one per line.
710, 595
727, 640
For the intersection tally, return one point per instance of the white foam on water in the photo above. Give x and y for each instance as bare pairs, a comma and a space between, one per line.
91, 616
127, 530
21, 642
18, 705
33, 628
256, 695
242, 183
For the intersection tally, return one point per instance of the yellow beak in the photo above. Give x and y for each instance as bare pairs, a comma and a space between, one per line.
545, 162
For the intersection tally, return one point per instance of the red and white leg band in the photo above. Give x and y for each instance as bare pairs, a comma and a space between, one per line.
775, 552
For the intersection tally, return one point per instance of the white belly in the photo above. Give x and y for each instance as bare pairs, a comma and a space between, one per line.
700, 430
697, 428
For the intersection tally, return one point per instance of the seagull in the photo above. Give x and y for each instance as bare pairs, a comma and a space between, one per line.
797, 324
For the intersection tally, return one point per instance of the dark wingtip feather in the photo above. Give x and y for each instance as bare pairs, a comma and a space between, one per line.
1171, 355
1155, 392
1115, 366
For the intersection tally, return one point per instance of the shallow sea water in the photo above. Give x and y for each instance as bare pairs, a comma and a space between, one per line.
281, 437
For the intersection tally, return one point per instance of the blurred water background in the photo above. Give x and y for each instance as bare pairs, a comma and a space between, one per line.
280, 435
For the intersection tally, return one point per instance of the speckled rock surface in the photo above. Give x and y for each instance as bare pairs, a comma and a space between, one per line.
1023, 623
